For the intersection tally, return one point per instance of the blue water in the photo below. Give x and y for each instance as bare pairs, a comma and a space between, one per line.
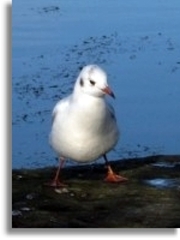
136, 42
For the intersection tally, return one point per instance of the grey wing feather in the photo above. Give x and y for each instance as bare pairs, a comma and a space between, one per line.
53, 116
111, 111
59, 107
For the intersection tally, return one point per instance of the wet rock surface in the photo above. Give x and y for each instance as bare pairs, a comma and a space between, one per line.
149, 199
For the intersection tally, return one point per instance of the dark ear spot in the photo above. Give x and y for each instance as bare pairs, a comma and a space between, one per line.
81, 82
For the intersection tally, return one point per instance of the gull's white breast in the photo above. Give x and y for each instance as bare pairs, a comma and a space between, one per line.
83, 130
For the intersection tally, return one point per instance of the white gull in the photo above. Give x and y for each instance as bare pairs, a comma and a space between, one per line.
84, 125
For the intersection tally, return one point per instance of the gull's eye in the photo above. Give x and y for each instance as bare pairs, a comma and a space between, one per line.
92, 82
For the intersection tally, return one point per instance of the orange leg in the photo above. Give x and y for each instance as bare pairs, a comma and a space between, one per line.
114, 178
56, 182
111, 176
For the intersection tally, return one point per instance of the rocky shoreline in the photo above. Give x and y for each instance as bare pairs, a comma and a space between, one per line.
149, 199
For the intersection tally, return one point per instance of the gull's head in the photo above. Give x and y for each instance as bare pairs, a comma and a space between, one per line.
92, 80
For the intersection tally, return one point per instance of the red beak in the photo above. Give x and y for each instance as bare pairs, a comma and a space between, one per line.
108, 91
